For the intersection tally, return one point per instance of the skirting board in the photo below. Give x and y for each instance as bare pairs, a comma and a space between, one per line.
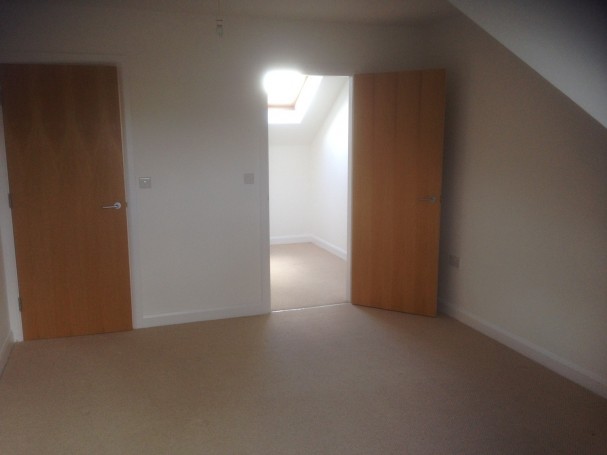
185, 317
330, 247
339, 252
561, 366
287, 239
5, 350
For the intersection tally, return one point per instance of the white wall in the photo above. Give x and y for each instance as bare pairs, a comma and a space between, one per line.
329, 178
563, 40
195, 123
6, 336
289, 170
525, 207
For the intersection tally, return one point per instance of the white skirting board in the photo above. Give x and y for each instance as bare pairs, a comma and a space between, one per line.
283, 240
287, 239
542, 356
184, 317
5, 350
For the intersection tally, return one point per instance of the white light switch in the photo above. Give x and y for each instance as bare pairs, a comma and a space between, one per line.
145, 182
249, 179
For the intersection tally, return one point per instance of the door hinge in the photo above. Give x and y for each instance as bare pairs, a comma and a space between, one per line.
20, 304
10, 201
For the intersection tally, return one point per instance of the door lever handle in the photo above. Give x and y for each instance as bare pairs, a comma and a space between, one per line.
115, 206
430, 199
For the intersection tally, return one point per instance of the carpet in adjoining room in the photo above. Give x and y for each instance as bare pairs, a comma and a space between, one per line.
304, 275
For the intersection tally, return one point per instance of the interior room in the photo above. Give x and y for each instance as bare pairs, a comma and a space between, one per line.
515, 360
308, 185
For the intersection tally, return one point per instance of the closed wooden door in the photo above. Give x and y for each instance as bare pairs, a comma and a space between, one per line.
398, 122
64, 155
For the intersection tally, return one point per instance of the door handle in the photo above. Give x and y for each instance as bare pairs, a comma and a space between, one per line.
430, 199
115, 206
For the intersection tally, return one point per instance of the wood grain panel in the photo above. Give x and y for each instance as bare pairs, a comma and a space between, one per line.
397, 163
64, 156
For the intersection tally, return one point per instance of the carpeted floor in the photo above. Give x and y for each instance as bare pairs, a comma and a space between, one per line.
304, 275
330, 380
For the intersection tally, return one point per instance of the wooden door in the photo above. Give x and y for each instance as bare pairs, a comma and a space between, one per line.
396, 190
64, 155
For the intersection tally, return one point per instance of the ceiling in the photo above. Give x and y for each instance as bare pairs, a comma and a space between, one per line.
359, 11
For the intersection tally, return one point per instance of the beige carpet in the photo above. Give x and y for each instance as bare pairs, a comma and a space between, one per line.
304, 275
329, 380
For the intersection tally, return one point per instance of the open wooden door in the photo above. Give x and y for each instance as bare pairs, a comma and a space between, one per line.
65, 165
398, 122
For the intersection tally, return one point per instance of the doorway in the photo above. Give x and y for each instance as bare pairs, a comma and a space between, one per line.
308, 186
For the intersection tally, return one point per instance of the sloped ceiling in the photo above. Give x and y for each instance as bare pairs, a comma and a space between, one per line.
565, 41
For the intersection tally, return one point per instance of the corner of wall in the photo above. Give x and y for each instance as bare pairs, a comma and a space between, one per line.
530, 350
521, 178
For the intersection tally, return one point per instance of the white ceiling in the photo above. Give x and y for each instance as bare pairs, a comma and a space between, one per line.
362, 11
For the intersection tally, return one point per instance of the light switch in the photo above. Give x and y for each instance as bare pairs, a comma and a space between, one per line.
145, 182
249, 179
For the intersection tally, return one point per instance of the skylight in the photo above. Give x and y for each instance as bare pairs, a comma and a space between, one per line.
283, 88
290, 94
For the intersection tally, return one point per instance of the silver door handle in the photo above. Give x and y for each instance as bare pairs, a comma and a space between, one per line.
115, 206
430, 199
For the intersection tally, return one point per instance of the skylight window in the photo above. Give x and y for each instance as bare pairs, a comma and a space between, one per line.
290, 94
283, 88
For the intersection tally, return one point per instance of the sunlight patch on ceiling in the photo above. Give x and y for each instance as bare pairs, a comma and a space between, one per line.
290, 94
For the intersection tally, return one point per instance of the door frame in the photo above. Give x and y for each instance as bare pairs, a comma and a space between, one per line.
265, 207
6, 222
350, 183
265, 200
